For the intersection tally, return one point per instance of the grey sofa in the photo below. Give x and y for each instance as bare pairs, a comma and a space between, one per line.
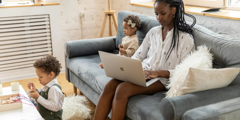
82, 69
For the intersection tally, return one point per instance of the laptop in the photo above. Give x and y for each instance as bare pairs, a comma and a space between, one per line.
124, 69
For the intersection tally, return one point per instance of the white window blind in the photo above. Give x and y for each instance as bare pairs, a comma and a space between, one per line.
23, 39
207, 3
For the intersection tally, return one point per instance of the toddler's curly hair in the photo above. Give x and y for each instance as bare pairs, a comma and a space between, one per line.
48, 64
134, 19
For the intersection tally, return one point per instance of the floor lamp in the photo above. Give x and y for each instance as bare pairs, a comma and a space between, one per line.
111, 14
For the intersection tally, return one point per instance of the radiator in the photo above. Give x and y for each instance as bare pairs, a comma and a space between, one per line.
27, 34
23, 39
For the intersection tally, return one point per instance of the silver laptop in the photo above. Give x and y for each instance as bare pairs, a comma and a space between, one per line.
124, 69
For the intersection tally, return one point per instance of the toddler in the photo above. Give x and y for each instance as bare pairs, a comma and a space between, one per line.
130, 42
50, 97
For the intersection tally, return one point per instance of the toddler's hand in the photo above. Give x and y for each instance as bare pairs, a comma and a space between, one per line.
34, 94
120, 46
101, 65
31, 86
122, 51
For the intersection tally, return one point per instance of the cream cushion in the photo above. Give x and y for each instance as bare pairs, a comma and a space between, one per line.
205, 79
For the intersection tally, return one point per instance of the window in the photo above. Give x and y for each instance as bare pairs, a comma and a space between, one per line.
206, 3
228, 4
234, 3
16, 2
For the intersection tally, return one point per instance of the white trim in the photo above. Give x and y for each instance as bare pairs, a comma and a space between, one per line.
232, 8
21, 77
137, 1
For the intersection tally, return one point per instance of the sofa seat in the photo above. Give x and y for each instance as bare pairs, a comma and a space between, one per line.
145, 107
87, 69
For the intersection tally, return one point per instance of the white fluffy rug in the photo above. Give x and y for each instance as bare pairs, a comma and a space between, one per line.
74, 107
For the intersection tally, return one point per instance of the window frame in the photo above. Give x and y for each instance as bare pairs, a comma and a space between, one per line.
205, 3
211, 4
136, 1
227, 6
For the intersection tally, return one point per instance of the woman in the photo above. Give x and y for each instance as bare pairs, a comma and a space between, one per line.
163, 48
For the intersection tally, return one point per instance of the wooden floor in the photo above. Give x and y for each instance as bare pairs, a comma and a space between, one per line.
67, 88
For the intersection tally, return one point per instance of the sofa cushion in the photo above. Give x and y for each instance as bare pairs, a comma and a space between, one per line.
145, 107
225, 50
86, 47
147, 22
87, 69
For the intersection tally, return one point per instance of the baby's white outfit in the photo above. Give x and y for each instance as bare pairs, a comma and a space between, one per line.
130, 44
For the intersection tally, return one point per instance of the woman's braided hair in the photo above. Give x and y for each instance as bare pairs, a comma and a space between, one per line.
179, 22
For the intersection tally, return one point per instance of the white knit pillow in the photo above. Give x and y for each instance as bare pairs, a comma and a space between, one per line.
201, 58
205, 79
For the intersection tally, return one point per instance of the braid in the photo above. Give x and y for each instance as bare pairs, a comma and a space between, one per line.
179, 22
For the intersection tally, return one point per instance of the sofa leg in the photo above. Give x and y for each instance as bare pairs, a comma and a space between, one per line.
75, 90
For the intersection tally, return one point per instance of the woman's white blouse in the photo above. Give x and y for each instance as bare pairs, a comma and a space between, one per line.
153, 50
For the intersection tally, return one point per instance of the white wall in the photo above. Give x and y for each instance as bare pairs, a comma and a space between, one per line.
82, 19
219, 25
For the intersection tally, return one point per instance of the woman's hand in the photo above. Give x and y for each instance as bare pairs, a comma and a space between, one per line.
150, 74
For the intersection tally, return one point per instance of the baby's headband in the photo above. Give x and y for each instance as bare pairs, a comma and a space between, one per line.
132, 25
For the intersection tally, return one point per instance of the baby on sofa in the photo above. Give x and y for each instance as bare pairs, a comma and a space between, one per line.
130, 42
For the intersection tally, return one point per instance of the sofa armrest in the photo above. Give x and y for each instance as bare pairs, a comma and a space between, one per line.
229, 109
173, 108
89, 46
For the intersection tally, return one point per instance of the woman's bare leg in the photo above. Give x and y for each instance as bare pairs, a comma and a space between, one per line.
124, 91
104, 104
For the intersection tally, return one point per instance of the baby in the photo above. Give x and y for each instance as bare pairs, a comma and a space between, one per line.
130, 42
50, 97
